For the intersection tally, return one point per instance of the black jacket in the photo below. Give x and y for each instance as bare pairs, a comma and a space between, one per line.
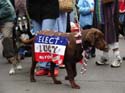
43, 9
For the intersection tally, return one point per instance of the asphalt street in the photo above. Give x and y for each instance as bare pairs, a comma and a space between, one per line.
97, 79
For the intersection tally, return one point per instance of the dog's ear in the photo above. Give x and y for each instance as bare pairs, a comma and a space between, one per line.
93, 35
90, 37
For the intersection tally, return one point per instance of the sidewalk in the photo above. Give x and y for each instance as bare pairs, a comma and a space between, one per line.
98, 79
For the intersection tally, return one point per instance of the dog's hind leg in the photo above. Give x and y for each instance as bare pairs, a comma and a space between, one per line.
71, 71
52, 68
32, 79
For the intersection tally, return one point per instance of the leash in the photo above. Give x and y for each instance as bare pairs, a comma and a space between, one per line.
77, 20
84, 64
79, 40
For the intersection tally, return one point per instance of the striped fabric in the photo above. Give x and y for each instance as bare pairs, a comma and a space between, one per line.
98, 10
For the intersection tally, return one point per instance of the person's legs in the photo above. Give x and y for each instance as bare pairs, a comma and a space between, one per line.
48, 24
9, 51
104, 59
61, 23
36, 26
117, 58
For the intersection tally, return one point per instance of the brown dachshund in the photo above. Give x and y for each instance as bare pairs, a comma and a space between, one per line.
73, 53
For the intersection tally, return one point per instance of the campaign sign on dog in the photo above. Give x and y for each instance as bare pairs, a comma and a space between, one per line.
50, 48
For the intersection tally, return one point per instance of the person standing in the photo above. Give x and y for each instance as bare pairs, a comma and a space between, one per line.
7, 17
106, 15
43, 14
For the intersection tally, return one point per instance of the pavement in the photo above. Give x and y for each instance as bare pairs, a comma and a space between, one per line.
97, 79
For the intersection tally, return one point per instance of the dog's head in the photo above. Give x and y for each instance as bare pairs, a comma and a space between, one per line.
95, 38
22, 24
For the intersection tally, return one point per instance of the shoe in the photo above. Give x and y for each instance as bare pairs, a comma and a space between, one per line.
12, 71
56, 73
102, 61
41, 72
116, 63
19, 67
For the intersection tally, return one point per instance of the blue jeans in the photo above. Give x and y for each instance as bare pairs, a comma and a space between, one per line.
61, 23
46, 24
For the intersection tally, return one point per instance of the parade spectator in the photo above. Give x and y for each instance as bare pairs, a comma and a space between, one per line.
106, 15
43, 14
86, 9
7, 17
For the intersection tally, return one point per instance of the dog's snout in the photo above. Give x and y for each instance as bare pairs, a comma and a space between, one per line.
106, 49
105, 46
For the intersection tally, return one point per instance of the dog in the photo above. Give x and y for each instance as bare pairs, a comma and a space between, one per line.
21, 33
73, 53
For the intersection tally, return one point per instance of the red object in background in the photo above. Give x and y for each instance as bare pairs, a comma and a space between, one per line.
74, 27
121, 5
43, 72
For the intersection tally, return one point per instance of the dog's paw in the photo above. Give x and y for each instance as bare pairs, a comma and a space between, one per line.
57, 82
76, 86
33, 80
19, 67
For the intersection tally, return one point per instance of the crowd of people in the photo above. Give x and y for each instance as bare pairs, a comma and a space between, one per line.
45, 15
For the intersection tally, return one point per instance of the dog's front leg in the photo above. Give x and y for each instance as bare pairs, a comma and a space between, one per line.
52, 68
71, 72
32, 79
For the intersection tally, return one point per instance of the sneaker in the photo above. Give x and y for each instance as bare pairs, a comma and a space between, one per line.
19, 67
102, 61
56, 73
12, 71
116, 63
41, 72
